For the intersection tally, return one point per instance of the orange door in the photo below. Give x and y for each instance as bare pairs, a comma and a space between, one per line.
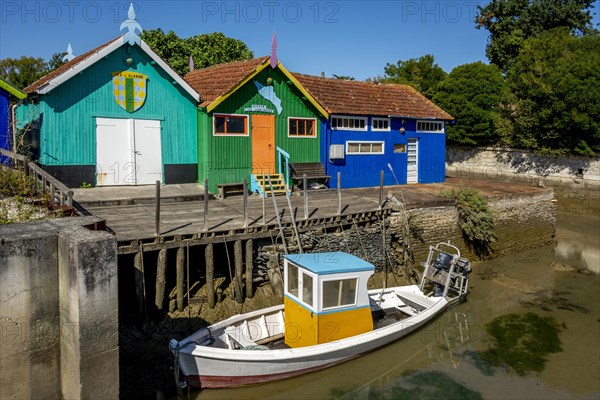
263, 144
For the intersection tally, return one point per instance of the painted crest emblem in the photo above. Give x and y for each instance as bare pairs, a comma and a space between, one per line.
129, 89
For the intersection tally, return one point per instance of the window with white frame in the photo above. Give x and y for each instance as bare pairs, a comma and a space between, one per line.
430, 126
302, 127
339, 293
348, 123
364, 147
380, 124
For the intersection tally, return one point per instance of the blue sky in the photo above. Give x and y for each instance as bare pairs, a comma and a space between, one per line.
355, 38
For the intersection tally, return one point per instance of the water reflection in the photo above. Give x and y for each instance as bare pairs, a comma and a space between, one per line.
578, 242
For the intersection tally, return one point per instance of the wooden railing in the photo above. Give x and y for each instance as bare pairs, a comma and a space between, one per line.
43, 182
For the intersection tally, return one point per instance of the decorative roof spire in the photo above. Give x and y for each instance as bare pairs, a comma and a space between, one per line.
191, 63
274, 59
131, 25
69, 56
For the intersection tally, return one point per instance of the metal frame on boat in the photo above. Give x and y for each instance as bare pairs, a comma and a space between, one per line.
328, 317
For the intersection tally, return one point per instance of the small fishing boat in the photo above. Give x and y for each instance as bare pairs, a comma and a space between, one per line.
328, 317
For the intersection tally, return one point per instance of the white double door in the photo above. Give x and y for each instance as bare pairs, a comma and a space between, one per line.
128, 152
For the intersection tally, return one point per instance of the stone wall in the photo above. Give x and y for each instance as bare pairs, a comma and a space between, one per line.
571, 176
521, 222
58, 311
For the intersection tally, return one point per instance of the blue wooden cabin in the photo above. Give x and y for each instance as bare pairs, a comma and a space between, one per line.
7, 93
373, 127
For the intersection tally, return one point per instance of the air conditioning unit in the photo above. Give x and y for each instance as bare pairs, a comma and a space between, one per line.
337, 152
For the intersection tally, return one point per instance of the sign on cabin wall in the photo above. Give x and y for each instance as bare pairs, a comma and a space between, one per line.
129, 89
259, 108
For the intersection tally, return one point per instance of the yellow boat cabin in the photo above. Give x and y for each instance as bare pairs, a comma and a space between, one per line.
326, 298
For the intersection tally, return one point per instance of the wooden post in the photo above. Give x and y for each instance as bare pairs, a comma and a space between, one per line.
157, 211
339, 190
180, 277
206, 205
161, 279
274, 275
52, 192
70, 198
305, 190
264, 208
138, 263
238, 260
245, 203
249, 267
380, 189
210, 274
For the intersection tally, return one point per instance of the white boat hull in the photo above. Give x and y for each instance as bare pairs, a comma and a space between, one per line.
206, 365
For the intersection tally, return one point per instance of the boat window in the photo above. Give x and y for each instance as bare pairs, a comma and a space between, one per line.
339, 293
307, 289
292, 281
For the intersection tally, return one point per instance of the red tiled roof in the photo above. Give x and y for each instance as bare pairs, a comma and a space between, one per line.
339, 96
217, 80
64, 68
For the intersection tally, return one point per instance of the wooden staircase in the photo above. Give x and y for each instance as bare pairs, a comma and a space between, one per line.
260, 183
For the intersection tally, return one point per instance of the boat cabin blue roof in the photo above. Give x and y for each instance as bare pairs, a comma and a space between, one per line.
330, 263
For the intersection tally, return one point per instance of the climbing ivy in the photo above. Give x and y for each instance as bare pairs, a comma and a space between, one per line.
475, 219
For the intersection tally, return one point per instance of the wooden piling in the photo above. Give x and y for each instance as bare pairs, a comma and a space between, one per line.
245, 185
210, 274
138, 263
249, 267
238, 260
180, 278
275, 275
161, 272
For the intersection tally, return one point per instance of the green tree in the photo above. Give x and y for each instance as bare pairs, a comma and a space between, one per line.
206, 50
22, 72
344, 77
421, 73
554, 106
56, 61
511, 22
472, 93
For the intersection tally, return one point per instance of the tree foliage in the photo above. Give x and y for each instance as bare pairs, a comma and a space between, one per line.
206, 49
511, 22
554, 105
421, 73
344, 77
22, 72
472, 93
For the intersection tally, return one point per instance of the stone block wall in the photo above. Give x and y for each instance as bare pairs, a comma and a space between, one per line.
571, 176
58, 311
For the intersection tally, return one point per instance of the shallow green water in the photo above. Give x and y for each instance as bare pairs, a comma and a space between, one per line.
438, 361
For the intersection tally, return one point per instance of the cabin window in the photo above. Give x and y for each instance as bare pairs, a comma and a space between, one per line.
229, 124
347, 123
339, 293
292, 282
430, 126
364, 147
302, 127
380, 124
307, 289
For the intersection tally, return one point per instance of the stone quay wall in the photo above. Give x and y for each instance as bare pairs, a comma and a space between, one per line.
571, 176
58, 311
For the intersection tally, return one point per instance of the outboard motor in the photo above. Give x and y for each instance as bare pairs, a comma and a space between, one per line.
442, 262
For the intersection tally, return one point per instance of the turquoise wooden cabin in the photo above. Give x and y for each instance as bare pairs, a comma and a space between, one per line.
116, 115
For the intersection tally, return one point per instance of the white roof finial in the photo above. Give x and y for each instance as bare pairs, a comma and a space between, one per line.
69, 56
131, 25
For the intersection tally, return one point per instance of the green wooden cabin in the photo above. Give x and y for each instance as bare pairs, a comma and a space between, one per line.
253, 121
116, 115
